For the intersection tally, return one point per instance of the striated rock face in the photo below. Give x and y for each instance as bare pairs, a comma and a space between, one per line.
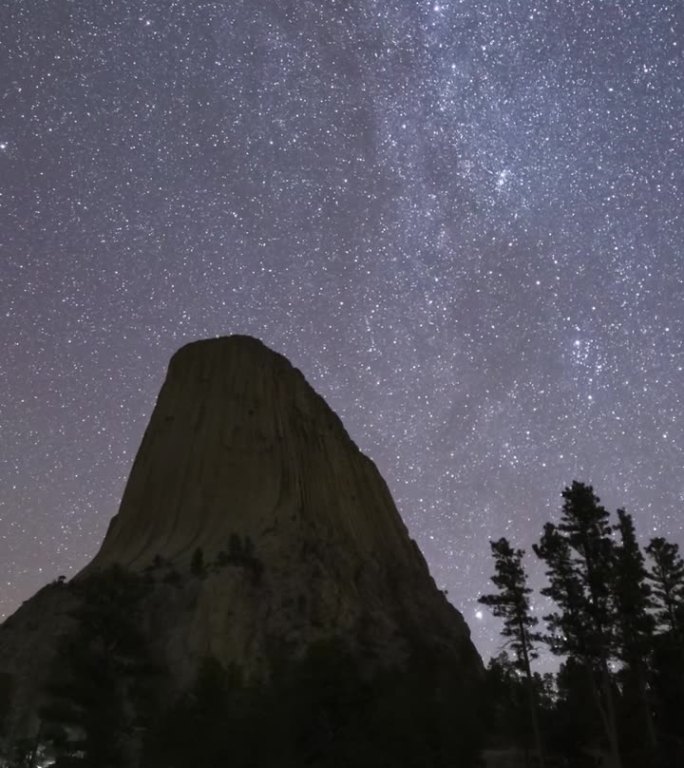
257, 528
242, 453
239, 443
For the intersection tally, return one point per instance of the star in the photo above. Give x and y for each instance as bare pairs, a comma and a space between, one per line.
461, 221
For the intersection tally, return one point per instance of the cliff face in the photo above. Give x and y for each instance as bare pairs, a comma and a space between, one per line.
245, 462
239, 443
257, 528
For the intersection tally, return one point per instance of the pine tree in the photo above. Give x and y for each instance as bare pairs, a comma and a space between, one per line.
512, 604
632, 596
505, 703
570, 625
632, 592
577, 720
667, 578
579, 556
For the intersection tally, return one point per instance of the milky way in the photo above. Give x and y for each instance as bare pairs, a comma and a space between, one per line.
461, 220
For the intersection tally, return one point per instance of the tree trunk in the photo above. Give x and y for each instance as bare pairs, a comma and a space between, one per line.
603, 698
611, 721
646, 704
535, 723
531, 698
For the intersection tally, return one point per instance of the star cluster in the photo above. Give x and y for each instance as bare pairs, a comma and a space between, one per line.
461, 220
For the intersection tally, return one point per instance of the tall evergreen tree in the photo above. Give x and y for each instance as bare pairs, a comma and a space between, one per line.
632, 600
511, 603
579, 558
667, 578
632, 592
577, 722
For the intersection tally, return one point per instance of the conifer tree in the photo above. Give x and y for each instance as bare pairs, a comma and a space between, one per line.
632, 592
632, 596
667, 578
512, 604
579, 557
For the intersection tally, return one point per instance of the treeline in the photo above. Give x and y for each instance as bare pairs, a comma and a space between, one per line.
110, 700
321, 710
617, 621
104, 682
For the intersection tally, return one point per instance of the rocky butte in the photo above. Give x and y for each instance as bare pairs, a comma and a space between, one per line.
259, 531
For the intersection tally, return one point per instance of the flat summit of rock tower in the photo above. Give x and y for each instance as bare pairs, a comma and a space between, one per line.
239, 443
240, 452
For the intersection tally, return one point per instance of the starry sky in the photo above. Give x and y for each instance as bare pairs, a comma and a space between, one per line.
462, 220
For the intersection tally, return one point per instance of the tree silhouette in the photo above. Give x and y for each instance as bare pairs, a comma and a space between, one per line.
632, 601
511, 603
579, 558
667, 578
96, 695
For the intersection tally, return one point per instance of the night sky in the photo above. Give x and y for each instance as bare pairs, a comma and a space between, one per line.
461, 220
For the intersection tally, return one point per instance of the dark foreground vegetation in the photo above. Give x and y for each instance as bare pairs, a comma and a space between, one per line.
110, 704
319, 712
615, 618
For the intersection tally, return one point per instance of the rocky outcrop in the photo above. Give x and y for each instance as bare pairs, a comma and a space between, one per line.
259, 529
243, 462
239, 443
